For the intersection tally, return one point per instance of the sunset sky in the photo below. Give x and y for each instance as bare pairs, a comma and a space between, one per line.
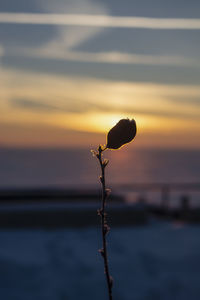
69, 70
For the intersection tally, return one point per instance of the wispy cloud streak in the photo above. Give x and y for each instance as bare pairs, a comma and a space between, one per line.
100, 21
108, 57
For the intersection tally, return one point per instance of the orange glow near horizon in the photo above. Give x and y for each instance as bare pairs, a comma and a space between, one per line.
91, 122
51, 104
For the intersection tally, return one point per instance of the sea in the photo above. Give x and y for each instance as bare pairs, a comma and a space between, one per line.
79, 169
158, 261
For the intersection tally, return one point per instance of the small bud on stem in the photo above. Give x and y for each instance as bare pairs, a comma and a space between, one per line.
122, 133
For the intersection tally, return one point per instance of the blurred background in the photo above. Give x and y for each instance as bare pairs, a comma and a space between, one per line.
69, 71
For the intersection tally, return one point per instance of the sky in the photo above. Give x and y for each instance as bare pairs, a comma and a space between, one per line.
70, 69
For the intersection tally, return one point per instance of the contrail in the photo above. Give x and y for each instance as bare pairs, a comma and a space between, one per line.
99, 21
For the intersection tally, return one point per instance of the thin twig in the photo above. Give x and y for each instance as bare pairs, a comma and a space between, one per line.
104, 225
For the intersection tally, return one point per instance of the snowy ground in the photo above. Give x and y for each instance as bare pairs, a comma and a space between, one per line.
158, 261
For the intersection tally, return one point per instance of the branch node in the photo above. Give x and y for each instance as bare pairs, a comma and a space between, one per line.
106, 228
100, 212
102, 252
105, 162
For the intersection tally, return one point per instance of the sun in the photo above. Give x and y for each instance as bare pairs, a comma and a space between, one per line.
114, 120
104, 122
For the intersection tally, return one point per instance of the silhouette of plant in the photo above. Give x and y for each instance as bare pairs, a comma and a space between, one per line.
122, 133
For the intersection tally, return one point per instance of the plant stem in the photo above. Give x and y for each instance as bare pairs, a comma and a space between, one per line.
104, 226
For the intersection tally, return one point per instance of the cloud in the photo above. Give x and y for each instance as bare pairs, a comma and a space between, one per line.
107, 57
34, 100
185, 100
41, 106
60, 95
99, 20
72, 36
32, 105
75, 106
92, 18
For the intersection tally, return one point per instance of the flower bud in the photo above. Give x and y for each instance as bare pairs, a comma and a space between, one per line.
122, 133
